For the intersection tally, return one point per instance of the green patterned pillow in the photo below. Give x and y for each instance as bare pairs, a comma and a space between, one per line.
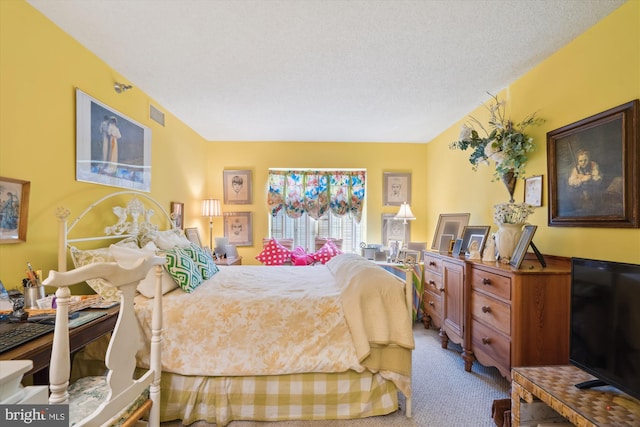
183, 269
203, 260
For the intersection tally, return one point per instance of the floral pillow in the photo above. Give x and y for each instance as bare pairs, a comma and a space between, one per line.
183, 269
274, 253
326, 252
89, 256
203, 260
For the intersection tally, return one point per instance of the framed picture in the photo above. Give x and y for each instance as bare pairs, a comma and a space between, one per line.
457, 247
522, 246
451, 224
408, 256
111, 148
394, 249
177, 214
396, 188
394, 229
593, 170
193, 235
14, 210
238, 228
237, 187
533, 190
474, 237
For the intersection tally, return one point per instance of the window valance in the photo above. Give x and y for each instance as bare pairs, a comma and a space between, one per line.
317, 192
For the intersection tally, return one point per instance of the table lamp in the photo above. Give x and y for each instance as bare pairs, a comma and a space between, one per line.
211, 208
405, 215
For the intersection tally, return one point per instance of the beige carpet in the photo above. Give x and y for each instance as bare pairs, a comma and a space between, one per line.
444, 394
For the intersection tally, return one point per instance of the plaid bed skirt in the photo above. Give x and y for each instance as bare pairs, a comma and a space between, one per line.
311, 396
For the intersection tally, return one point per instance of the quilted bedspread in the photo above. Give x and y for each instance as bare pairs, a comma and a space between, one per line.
256, 320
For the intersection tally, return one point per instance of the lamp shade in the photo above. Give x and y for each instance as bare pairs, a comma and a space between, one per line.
405, 213
211, 208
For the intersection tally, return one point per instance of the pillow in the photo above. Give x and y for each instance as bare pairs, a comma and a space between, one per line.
203, 260
170, 239
274, 253
147, 286
300, 257
326, 252
89, 256
183, 269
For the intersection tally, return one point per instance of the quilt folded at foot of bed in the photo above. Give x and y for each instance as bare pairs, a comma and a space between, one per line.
376, 312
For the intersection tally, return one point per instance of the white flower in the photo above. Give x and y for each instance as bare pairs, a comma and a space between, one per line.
465, 133
491, 148
499, 157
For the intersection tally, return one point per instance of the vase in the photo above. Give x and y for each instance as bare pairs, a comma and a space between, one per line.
509, 180
507, 238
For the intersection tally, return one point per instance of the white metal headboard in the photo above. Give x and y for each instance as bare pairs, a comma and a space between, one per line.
134, 220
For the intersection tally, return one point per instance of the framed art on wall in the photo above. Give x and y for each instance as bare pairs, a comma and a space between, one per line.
111, 148
237, 187
393, 229
396, 188
593, 170
177, 214
14, 210
533, 190
449, 224
238, 228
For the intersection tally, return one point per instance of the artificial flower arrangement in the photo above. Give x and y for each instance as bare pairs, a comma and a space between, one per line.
505, 143
511, 213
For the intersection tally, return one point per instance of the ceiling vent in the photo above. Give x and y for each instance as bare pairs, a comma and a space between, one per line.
156, 115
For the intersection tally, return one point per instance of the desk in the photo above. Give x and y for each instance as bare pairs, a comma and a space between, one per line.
555, 386
39, 349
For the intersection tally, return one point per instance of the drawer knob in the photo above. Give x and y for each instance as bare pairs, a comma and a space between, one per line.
432, 283
486, 281
486, 341
441, 289
431, 303
486, 309
432, 263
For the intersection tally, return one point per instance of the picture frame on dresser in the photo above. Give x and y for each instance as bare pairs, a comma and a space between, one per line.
15, 210
449, 223
593, 175
475, 233
192, 234
523, 244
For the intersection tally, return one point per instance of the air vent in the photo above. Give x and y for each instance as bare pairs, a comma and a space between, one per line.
156, 114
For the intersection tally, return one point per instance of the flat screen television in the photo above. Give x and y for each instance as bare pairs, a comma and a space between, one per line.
605, 323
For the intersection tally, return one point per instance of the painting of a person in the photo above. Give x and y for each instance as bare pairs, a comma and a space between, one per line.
9, 212
396, 192
236, 184
238, 231
585, 180
113, 133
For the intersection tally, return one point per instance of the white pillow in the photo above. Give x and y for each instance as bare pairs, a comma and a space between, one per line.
147, 286
170, 239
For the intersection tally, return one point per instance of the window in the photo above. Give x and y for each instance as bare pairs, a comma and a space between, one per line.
320, 203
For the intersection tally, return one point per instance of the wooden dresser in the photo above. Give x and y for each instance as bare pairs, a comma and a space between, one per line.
501, 316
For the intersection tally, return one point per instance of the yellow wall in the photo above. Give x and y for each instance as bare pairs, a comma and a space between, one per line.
598, 70
40, 67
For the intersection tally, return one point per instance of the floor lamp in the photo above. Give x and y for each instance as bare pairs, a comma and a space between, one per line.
211, 208
405, 215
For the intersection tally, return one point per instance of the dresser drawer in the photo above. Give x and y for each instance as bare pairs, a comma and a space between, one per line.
432, 263
488, 341
491, 311
489, 282
433, 307
433, 282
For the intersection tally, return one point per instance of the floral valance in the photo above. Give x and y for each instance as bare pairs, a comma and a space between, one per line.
316, 192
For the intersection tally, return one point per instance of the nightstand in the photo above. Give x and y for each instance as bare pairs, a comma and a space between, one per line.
229, 261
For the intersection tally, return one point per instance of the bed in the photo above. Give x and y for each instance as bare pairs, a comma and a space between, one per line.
325, 341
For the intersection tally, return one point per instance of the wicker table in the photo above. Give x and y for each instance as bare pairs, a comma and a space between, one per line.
555, 386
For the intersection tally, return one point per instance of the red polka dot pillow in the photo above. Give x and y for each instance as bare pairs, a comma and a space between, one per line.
274, 253
326, 252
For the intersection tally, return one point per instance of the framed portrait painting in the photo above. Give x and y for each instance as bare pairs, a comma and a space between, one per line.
111, 148
450, 226
593, 170
396, 188
394, 229
237, 187
238, 228
14, 210
177, 214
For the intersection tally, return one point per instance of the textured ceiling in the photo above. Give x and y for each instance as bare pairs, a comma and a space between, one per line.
322, 70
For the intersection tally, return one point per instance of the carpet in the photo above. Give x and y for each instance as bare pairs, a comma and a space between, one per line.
444, 394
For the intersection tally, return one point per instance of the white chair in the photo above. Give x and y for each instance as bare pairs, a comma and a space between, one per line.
104, 401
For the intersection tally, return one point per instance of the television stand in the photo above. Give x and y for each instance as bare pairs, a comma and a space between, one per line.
590, 384
555, 386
